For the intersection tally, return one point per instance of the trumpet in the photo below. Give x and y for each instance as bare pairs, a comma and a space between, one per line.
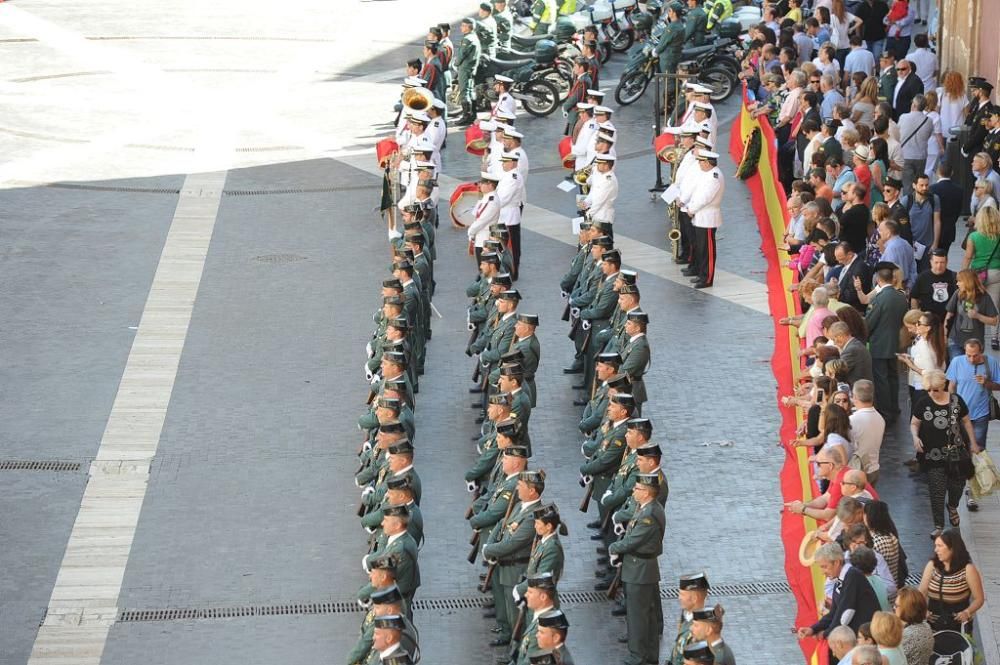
583, 175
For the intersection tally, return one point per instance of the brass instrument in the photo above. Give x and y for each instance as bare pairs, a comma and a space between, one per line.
417, 99
583, 175
674, 157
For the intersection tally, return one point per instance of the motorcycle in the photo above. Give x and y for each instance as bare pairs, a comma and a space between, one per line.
532, 87
704, 62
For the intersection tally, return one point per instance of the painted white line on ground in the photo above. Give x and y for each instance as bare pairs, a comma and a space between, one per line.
84, 601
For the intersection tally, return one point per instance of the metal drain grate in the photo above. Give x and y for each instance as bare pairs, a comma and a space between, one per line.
269, 148
108, 188
38, 465
297, 190
278, 258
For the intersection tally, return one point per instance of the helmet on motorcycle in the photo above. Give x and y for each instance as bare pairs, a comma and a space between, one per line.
654, 7
642, 22
564, 29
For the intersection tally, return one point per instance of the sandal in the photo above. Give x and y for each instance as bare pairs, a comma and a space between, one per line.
953, 516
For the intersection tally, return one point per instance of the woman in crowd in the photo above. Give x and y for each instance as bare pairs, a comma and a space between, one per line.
935, 144
864, 559
929, 351
863, 106
918, 638
837, 429
873, 248
982, 254
855, 322
951, 584
842, 24
972, 308
935, 428
887, 630
953, 100
885, 538
879, 167
983, 197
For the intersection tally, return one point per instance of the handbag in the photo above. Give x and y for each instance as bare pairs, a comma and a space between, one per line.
957, 458
985, 272
993, 403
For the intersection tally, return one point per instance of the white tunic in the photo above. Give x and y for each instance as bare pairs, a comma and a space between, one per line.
506, 104
510, 192
601, 199
487, 212
581, 147
705, 204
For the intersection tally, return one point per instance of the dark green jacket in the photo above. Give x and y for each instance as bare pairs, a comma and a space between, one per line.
641, 544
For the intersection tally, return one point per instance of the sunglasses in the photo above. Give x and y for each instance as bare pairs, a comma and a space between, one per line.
902, 69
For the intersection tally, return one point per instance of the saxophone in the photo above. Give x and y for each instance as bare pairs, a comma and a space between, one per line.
674, 157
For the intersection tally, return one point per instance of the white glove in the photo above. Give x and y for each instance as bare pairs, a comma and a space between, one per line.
619, 528
565, 113
364, 604
368, 349
585, 480
367, 491
615, 560
471, 486
491, 562
393, 233
563, 294
364, 564
585, 325
605, 496
369, 529
357, 484
574, 312
365, 447
368, 374
472, 237
517, 596
375, 378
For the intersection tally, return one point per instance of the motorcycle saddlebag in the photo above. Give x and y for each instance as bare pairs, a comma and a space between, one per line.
546, 51
730, 28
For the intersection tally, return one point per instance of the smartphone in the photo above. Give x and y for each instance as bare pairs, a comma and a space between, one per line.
820, 396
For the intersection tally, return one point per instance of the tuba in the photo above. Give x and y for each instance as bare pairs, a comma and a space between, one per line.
583, 175
417, 99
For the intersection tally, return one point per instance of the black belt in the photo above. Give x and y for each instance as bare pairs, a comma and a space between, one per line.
513, 562
644, 556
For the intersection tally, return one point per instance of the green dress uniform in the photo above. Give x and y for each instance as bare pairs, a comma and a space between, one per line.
695, 26
547, 557
598, 316
530, 351
887, 84
467, 63
683, 638
562, 655
568, 280
723, 654
404, 550
415, 527
670, 46
594, 412
505, 23
604, 463
639, 548
627, 510
363, 649
529, 637
489, 452
635, 360
511, 549
498, 342
496, 506
620, 489
486, 30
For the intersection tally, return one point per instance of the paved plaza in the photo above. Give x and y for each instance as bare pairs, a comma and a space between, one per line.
189, 262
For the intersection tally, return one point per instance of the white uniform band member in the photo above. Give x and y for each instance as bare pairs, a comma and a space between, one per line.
512, 143
487, 212
704, 115
510, 194
587, 129
705, 207
600, 202
505, 103
401, 122
438, 129
495, 149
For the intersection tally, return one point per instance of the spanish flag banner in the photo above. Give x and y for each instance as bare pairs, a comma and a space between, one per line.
752, 140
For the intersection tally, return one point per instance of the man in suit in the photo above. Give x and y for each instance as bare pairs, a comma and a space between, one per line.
854, 600
853, 352
908, 86
637, 553
885, 319
854, 274
950, 195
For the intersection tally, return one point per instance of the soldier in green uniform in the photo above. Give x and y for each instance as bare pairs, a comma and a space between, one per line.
637, 553
399, 544
501, 335
635, 354
381, 576
596, 317
672, 40
605, 367
610, 339
602, 465
486, 29
417, 243
552, 629
568, 280
698, 653
547, 552
695, 24
505, 24
707, 627
399, 492
510, 548
511, 380
504, 431
525, 343
887, 76
586, 289
617, 385
374, 459
692, 594
637, 433
392, 308
415, 310
384, 602
539, 599
387, 639
467, 57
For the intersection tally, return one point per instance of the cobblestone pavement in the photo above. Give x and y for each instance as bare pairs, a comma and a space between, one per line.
250, 504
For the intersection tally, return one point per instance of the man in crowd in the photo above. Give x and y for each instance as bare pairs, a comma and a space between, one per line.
884, 320
867, 428
934, 286
915, 129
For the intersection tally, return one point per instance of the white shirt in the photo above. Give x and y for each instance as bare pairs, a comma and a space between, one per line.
437, 131
523, 167
581, 146
505, 104
509, 193
487, 212
867, 432
705, 204
393, 538
600, 201
924, 66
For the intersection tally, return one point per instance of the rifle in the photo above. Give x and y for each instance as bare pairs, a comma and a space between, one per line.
475, 547
488, 582
565, 314
585, 503
615, 584
518, 631
586, 342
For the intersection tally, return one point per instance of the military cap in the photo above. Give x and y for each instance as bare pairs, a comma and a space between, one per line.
488, 177
607, 137
619, 381
596, 93
704, 614
508, 427
541, 657
509, 156
412, 224
676, 7
624, 399
601, 109
416, 238
586, 224
553, 619
705, 141
604, 227
993, 110
391, 426
706, 155
698, 88
401, 447
494, 245
469, 21
694, 581
649, 450
514, 356
502, 279
644, 425
628, 276
399, 482
612, 256
395, 357
391, 621
487, 125
547, 513
612, 358
393, 300
603, 241
516, 451
628, 289
508, 119
605, 158
499, 398
388, 403
542, 581
382, 563
500, 78
702, 106
690, 129
648, 479
486, 7
387, 596
399, 322
392, 283
530, 319
895, 183
584, 106
396, 511
510, 294
981, 83
637, 315
397, 658
414, 82
885, 265
402, 264
490, 257
607, 128
536, 477
413, 208
699, 652
510, 132
511, 369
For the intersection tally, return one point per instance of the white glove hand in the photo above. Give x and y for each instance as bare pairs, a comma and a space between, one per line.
583, 450
585, 325
491, 562
368, 374
563, 294
364, 604
357, 484
585, 480
472, 238
517, 596
619, 528
393, 233
604, 497
565, 113
615, 560
368, 349
471, 486
364, 564
365, 447
375, 378
368, 491
574, 312
369, 529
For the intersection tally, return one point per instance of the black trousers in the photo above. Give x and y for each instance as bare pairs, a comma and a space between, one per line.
686, 247
479, 256
515, 247
940, 485
704, 254
886, 375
